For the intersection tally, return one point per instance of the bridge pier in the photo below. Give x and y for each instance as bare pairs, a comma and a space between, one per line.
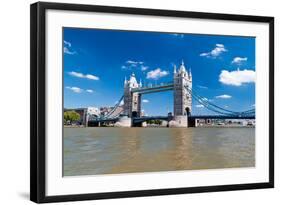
181, 121
137, 124
124, 121
192, 122
93, 124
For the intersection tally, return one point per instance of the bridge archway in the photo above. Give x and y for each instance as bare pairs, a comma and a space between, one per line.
187, 111
134, 114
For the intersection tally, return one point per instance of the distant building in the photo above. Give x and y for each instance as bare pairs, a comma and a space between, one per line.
93, 111
105, 110
85, 114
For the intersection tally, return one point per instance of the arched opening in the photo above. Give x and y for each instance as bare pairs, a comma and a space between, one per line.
187, 111
134, 114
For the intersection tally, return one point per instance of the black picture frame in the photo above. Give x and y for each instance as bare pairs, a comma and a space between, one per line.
38, 103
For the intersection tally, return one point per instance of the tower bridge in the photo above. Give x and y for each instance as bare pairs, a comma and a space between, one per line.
129, 114
133, 92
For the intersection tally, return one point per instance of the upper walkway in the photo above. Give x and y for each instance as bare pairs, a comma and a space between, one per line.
154, 88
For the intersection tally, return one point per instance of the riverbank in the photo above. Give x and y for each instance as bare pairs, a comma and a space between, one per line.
200, 126
73, 126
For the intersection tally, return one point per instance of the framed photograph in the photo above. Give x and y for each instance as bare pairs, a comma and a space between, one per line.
129, 102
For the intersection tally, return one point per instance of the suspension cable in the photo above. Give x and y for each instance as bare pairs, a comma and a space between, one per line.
201, 100
115, 107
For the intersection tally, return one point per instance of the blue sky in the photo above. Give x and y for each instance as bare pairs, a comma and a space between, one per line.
97, 61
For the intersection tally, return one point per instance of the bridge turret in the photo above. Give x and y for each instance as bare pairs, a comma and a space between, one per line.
182, 68
182, 98
132, 100
133, 83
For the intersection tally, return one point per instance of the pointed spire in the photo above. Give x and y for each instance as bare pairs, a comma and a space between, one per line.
175, 69
125, 81
140, 84
182, 68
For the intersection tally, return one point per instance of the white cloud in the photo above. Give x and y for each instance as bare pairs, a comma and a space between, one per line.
204, 54
75, 74
237, 77
68, 44
79, 90
67, 51
239, 60
81, 75
157, 73
178, 35
145, 101
92, 77
134, 62
219, 49
199, 106
201, 86
89, 91
224, 96
129, 64
75, 89
144, 68
66, 48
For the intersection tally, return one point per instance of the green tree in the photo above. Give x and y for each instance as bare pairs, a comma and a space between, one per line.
71, 116
158, 122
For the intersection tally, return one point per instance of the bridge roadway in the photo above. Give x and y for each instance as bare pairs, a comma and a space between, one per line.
168, 118
192, 117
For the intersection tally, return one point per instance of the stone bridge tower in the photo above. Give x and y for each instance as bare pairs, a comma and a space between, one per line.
182, 98
132, 100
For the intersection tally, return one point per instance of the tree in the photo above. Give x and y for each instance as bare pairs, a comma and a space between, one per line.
157, 122
71, 116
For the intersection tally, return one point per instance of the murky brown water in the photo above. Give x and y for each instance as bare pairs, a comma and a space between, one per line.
89, 151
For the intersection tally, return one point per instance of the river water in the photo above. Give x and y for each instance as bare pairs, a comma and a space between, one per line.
98, 150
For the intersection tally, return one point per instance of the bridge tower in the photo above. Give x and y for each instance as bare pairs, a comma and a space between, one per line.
132, 100
182, 98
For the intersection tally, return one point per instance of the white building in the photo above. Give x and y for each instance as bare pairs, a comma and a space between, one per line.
93, 111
